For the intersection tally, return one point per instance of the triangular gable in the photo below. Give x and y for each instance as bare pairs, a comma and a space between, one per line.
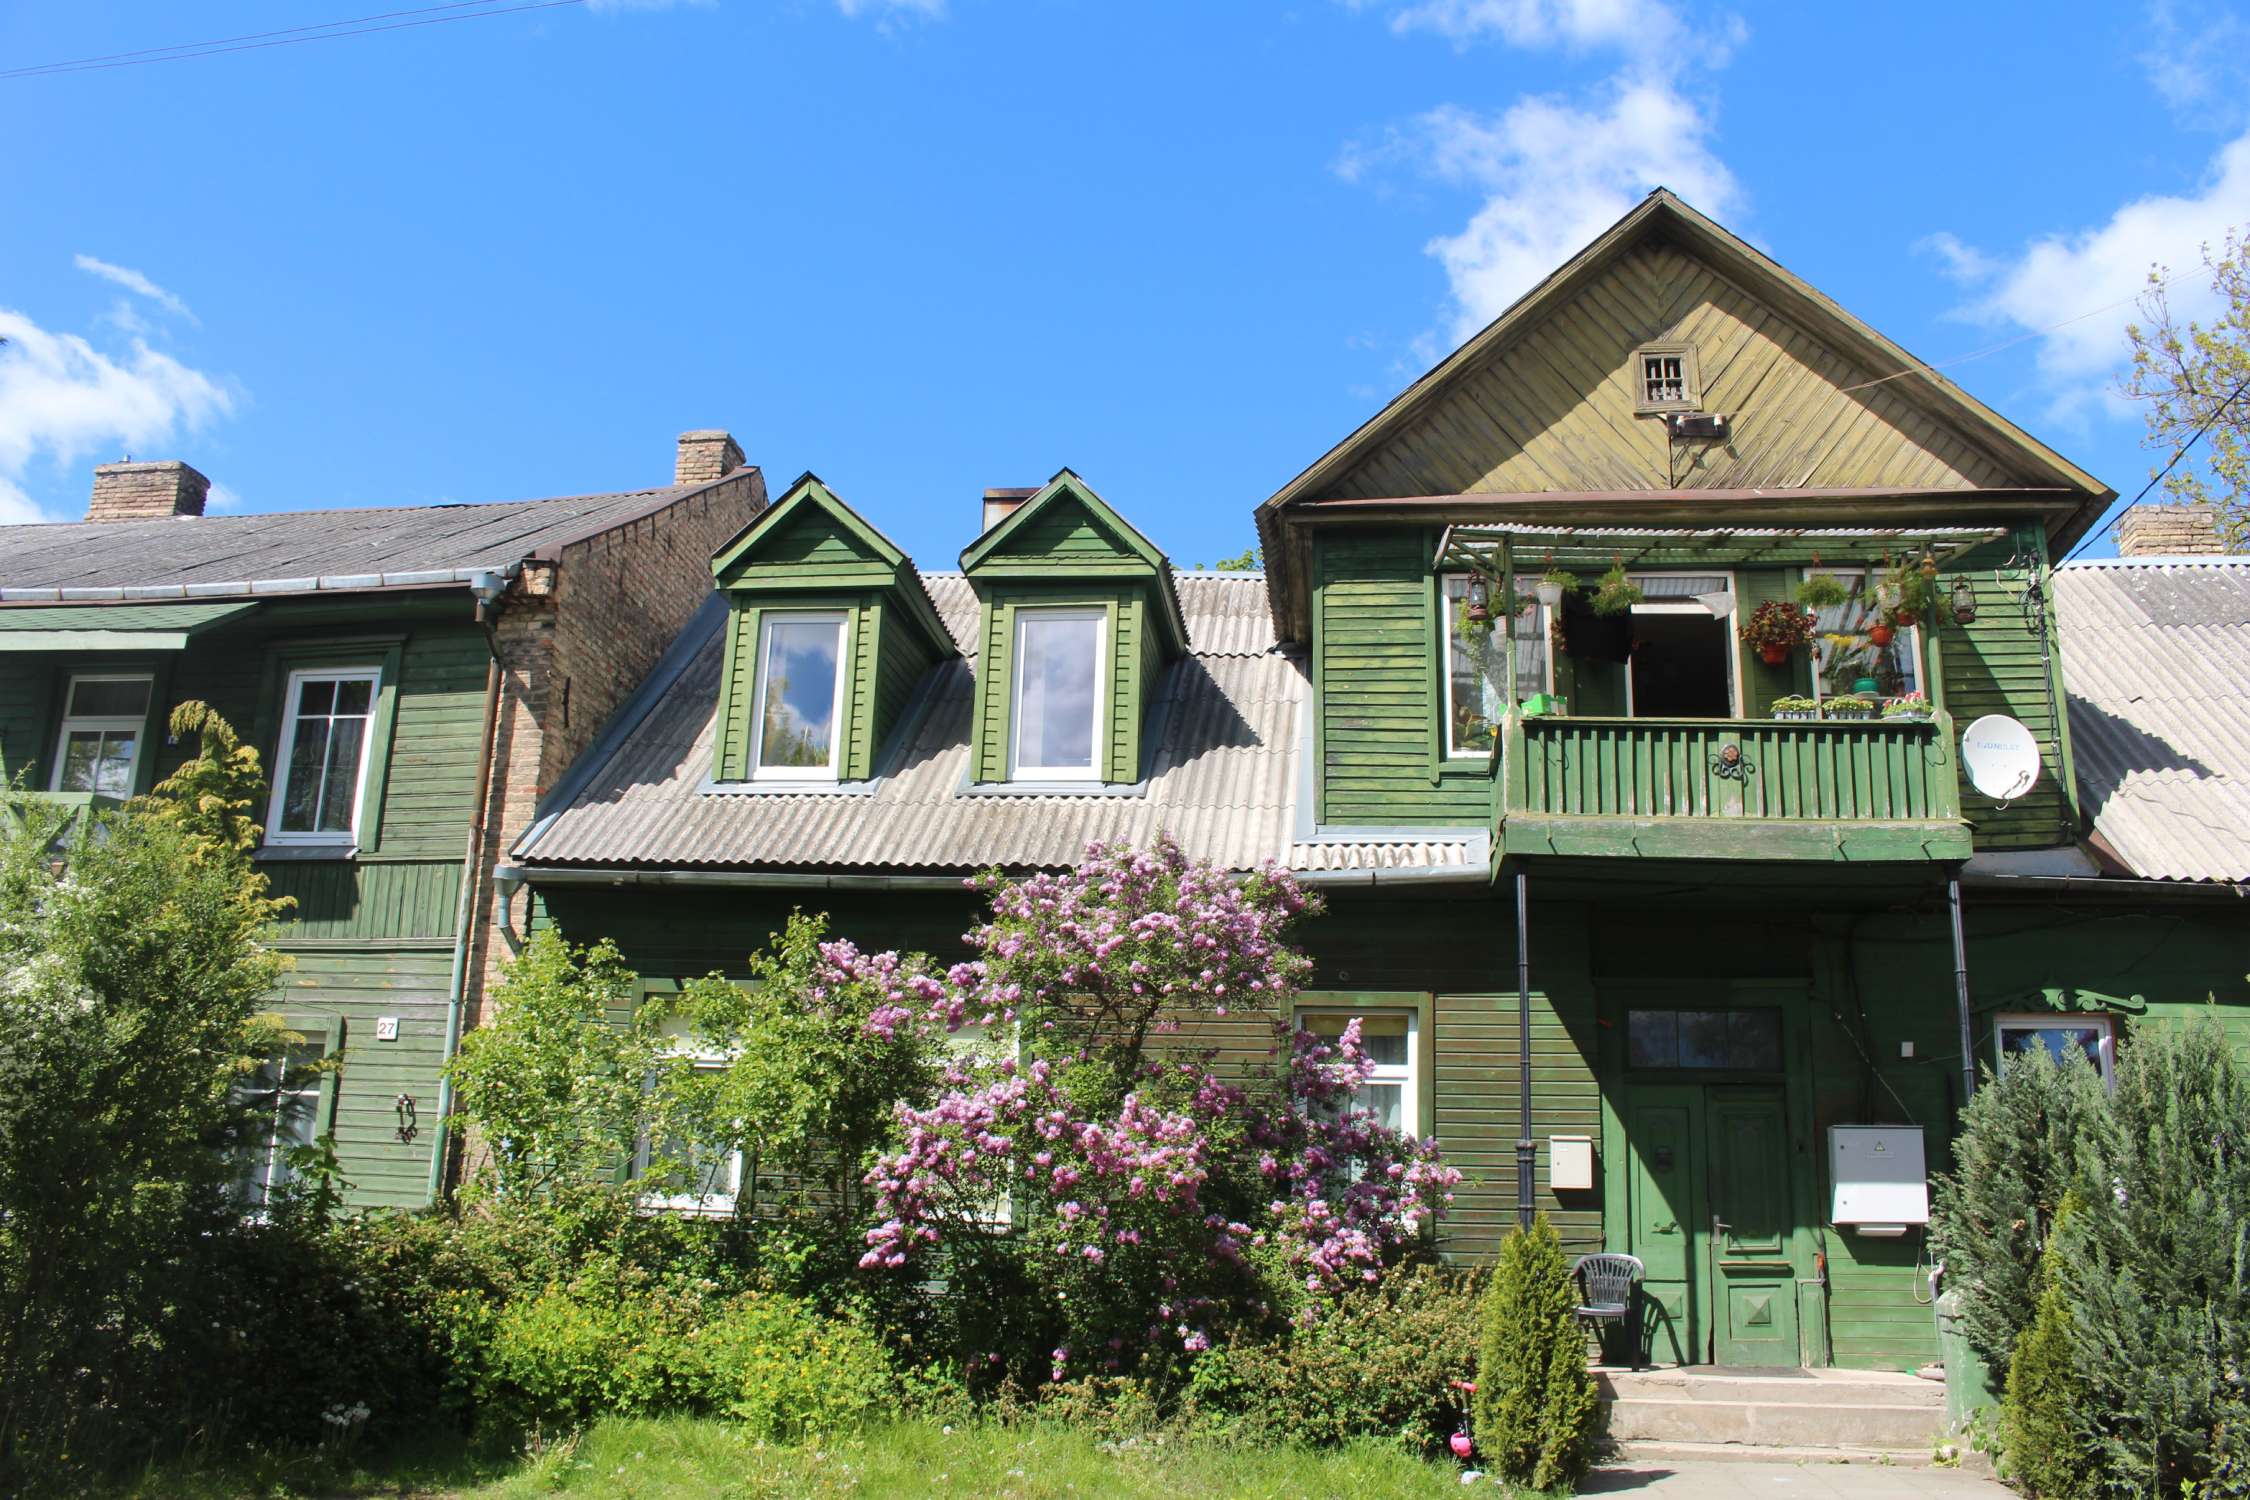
1541, 400
1067, 529
811, 539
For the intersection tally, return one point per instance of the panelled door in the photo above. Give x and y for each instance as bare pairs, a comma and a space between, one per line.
1709, 1215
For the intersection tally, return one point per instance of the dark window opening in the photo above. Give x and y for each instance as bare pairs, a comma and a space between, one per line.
1739, 1041
1682, 666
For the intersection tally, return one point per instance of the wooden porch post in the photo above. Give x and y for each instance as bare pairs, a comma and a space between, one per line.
1526, 1150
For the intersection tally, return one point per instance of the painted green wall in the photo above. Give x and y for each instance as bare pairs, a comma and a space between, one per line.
1129, 658
1996, 666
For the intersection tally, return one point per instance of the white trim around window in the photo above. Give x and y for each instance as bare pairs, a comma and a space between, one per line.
1674, 600
1397, 1068
1534, 642
105, 733
1033, 767
795, 622
333, 720
2090, 1032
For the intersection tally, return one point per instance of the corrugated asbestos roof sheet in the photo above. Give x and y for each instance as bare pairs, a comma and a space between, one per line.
106, 617
1223, 780
188, 556
2156, 657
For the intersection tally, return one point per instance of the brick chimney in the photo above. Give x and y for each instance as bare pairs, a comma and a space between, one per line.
1001, 504
706, 455
146, 492
2170, 531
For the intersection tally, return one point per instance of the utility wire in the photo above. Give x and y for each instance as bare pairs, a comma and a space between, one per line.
466, 10
2021, 338
2177, 454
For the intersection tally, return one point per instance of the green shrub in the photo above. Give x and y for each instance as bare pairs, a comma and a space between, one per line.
1535, 1404
2040, 1433
1387, 1361
620, 1346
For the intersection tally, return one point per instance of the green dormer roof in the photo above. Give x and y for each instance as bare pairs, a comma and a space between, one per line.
1065, 532
811, 540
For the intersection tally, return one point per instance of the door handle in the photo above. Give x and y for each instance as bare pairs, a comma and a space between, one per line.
1673, 1227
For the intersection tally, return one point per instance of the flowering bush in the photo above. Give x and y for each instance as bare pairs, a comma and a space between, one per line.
1155, 1200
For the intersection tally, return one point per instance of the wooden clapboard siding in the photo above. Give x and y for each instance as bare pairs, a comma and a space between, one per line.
373, 898
902, 657
1996, 666
359, 985
1127, 606
856, 709
1475, 1055
1553, 408
1380, 702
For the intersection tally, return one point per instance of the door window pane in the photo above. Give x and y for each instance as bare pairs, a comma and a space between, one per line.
1741, 1041
330, 718
283, 1101
797, 693
1058, 673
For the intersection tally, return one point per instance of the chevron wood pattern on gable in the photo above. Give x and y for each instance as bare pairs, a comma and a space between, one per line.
1554, 409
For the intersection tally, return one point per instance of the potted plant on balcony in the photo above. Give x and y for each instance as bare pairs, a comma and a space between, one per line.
1822, 590
1553, 584
1848, 706
1616, 593
1912, 708
1790, 706
1775, 629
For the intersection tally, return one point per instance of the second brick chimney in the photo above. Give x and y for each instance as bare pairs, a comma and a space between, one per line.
2170, 531
147, 492
706, 455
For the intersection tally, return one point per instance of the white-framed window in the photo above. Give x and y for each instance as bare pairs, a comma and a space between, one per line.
797, 731
696, 1179
1056, 717
1844, 657
1476, 660
2092, 1036
1684, 664
323, 756
283, 1100
1392, 1040
1665, 378
105, 716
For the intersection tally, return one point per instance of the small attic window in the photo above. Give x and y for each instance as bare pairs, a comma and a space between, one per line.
1667, 378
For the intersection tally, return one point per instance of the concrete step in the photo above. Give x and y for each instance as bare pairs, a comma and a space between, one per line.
1825, 1424
1811, 1388
1656, 1454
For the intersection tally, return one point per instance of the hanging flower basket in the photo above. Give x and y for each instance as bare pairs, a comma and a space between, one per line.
1879, 634
1774, 656
1775, 629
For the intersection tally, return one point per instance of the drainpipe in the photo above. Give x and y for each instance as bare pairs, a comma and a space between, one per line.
1526, 1150
457, 987
1961, 985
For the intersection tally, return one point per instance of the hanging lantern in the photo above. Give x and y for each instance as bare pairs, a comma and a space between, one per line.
1964, 602
1478, 607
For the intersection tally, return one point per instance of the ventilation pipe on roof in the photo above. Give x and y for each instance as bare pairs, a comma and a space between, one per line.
1003, 503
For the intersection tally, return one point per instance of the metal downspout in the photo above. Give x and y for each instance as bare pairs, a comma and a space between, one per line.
1961, 986
1526, 1150
457, 986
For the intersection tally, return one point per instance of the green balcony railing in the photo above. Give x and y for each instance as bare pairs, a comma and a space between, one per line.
1728, 788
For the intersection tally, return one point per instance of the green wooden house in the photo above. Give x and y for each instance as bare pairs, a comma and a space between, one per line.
402, 673
1695, 950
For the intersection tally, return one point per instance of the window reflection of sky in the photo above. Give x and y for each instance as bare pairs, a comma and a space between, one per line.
1057, 696
800, 693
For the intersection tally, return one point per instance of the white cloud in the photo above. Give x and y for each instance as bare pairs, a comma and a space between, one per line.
222, 497
62, 399
889, 12
2060, 279
134, 282
617, 5
1556, 170
2195, 60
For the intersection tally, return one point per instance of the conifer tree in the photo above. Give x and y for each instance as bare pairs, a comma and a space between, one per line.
1535, 1407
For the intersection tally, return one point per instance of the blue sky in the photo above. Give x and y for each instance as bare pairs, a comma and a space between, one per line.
927, 247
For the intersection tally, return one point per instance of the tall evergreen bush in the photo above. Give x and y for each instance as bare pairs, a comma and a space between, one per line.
2045, 1423
1535, 1408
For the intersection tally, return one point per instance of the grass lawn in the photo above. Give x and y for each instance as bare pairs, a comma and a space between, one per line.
680, 1458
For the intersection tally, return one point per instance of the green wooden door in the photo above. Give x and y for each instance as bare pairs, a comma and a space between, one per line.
1753, 1284
1665, 1184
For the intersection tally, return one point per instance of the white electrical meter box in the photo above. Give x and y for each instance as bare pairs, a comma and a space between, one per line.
1570, 1163
1880, 1181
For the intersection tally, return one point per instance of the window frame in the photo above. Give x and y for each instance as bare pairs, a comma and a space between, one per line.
1691, 384
839, 719
1417, 1106
327, 1033
1687, 605
1912, 634
285, 748
1546, 626
2055, 1020
103, 723
682, 1049
1096, 770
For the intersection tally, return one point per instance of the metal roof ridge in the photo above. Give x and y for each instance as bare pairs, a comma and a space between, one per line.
2170, 560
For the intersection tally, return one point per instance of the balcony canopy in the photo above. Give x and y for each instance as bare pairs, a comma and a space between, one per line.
113, 627
1500, 547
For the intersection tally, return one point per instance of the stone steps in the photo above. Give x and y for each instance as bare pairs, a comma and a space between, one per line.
1808, 1416
1655, 1453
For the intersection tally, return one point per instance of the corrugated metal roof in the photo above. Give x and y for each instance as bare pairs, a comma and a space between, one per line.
1223, 780
2156, 657
295, 551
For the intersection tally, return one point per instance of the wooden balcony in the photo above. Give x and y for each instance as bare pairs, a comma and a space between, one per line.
1744, 789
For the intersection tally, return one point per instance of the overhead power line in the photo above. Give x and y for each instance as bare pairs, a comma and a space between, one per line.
2177, 454
292, 36
2021, 338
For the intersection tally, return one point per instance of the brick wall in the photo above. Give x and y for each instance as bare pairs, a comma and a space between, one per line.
2170, 531
578, 633
147, 491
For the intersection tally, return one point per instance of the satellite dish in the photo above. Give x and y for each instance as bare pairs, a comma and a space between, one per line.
2002, 757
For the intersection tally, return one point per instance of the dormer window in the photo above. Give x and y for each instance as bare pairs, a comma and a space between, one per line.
800, 682
1667, 378
1058, 679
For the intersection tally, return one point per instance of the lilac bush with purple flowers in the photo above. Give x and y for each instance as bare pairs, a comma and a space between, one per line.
1130, 1198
